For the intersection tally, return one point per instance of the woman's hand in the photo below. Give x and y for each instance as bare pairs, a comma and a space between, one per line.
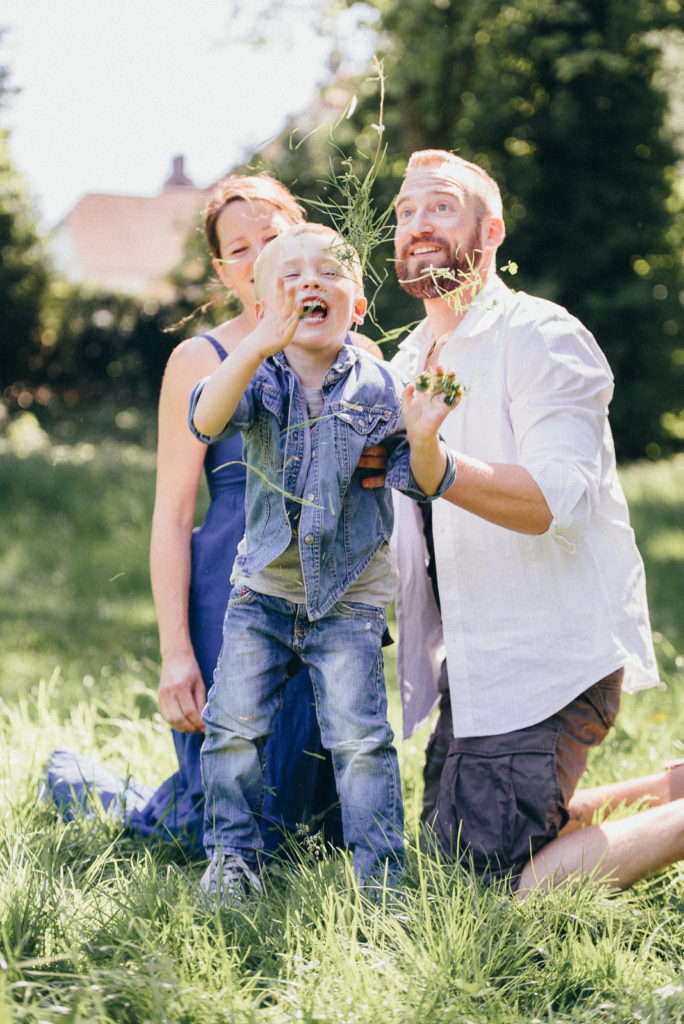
182, 694
374, 458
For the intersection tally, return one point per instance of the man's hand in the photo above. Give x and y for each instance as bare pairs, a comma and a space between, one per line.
425, 405
427, 402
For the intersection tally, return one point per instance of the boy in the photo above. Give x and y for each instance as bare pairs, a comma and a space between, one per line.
313, 573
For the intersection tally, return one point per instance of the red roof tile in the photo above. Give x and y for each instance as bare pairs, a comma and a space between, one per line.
127, 243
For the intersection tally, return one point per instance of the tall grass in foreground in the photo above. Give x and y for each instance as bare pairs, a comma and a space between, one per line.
95, 926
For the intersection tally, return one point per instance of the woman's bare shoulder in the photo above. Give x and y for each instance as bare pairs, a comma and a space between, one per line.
197, 355
188, 362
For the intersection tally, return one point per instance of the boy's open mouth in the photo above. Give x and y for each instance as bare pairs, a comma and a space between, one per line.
314, 311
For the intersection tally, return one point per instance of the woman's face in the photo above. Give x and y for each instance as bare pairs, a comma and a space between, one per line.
243, 228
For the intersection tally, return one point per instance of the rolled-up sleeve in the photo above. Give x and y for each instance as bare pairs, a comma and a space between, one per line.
559, 396
400, 477
238, 421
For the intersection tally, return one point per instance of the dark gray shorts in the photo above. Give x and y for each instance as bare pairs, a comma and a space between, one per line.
495, 800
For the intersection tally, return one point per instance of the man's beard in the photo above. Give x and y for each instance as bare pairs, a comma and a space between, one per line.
451, 270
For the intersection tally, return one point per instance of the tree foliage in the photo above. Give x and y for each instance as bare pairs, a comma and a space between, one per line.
61, 344
562, 102
23, 266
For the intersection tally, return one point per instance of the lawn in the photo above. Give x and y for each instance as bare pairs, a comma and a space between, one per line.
95, 926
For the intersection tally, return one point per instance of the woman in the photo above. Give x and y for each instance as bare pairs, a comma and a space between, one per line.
190, 571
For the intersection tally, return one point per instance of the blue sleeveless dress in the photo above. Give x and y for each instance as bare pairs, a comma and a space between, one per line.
300, 784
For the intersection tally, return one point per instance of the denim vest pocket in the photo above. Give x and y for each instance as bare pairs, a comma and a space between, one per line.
272, 400
363, 419
371, 425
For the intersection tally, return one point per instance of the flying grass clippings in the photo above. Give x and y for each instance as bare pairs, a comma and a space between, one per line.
442, 382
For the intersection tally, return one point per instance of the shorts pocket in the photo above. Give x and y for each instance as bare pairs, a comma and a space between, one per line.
604, 697
499, 799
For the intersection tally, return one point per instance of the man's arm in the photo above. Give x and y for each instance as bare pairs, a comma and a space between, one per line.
560, 386
503, 494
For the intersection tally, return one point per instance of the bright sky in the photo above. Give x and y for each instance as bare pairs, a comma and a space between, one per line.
112, 90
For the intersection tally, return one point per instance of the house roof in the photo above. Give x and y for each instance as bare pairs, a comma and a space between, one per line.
128, 243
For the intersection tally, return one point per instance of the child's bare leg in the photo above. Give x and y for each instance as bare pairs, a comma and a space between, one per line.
620, 852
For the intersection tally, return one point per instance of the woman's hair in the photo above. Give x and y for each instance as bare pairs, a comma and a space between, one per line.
248, 187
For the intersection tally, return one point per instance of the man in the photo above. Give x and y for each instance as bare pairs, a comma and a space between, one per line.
536, 615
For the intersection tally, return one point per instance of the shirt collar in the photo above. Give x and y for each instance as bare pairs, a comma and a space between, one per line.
486, 308
344, 360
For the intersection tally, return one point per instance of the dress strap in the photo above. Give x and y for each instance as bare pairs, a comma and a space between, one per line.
217, 345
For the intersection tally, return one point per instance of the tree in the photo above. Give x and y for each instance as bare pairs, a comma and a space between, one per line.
23, 266
561, 101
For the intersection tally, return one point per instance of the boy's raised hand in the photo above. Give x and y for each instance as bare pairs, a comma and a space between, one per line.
427, 402
277, 322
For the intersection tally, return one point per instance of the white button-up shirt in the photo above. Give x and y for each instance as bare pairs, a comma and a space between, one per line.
527, 622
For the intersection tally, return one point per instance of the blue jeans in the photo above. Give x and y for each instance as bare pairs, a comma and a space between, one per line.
343, 651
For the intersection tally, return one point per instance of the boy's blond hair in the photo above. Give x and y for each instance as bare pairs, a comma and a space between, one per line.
342, 251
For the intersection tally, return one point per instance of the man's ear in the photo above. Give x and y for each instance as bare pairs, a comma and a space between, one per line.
496, 232
360, 307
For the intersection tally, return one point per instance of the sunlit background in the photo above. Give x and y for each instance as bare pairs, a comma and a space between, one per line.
110, 92
116, 119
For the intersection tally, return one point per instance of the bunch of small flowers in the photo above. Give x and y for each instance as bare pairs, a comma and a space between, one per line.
441, 382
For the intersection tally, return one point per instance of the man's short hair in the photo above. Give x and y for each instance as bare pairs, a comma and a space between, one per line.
481, 184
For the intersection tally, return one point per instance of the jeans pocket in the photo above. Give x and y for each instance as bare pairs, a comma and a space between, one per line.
356, 610
240, 596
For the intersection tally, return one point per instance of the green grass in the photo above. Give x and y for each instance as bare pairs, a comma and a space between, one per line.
96, 926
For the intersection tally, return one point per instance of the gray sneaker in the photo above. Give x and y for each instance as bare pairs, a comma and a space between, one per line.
230, 878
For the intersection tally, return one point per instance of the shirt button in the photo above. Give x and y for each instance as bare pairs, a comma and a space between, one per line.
310, 497
309, 539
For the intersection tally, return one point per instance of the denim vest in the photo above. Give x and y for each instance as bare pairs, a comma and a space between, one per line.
299, 469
